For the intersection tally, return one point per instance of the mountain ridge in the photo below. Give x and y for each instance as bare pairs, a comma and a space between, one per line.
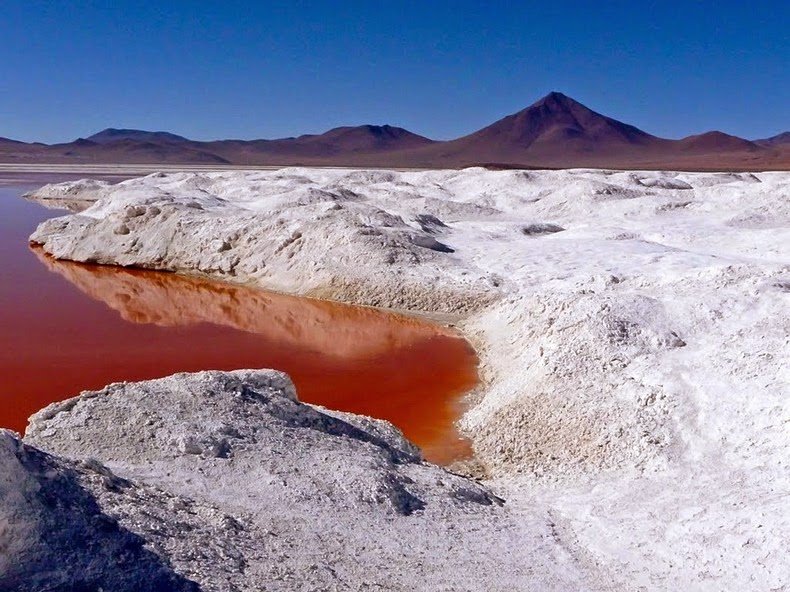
112, 134
555, 131
777, 140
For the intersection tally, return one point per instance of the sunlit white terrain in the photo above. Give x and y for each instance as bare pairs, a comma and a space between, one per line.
634, 335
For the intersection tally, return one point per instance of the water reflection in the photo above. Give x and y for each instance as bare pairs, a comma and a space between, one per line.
406, 370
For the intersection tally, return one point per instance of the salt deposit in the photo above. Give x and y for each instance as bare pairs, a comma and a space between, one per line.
236, 485
633, 329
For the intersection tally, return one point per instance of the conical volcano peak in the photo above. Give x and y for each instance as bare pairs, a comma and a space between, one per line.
557, 100
555, 95
557, 118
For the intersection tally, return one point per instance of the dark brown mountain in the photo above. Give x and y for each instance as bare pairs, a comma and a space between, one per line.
112, 134
342, 144
9, 141
13, 151
363, 138
716, 142
560, 132
132, 151
556, 132
84, 151
782, 139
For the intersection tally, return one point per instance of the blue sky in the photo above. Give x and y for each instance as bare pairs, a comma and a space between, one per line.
270, 69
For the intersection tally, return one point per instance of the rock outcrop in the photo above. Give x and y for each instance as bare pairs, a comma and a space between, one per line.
225, 481
55, 534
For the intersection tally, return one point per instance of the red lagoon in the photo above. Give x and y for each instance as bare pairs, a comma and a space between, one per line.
67, 327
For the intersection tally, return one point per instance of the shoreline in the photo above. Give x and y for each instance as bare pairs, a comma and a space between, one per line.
338, 330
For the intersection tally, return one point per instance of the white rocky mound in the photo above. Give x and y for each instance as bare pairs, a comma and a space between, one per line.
633, 327
225, 480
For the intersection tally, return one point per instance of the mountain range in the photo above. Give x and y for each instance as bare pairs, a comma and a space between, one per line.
554, 132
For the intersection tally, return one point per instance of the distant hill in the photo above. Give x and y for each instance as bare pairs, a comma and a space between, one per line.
339, 145
126, 151
714, 142
362, 138
9, 141
556, 131
782, 139
113, 135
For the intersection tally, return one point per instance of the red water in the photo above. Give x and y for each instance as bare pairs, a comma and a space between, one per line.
67, 327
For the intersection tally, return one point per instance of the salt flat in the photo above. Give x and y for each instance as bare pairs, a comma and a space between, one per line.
633, 328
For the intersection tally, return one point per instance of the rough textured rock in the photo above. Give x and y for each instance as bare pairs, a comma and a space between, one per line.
259, 239
55, 534
238, 486
569, 393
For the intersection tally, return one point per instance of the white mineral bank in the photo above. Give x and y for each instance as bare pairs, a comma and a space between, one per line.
633, 328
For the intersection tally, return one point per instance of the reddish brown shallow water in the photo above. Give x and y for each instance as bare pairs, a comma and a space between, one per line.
66, 327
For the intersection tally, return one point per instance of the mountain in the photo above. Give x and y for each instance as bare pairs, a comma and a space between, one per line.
339, 145
554, 132
559, 132
716, 142
364, 138
134, 151
342, 145
85, 151
9, 141
112, 134
782, 139
13, 151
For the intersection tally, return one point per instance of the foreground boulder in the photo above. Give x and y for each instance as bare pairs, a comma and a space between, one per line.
54, 534
227, 481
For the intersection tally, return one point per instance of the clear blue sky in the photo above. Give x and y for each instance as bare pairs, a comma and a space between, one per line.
269, 69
